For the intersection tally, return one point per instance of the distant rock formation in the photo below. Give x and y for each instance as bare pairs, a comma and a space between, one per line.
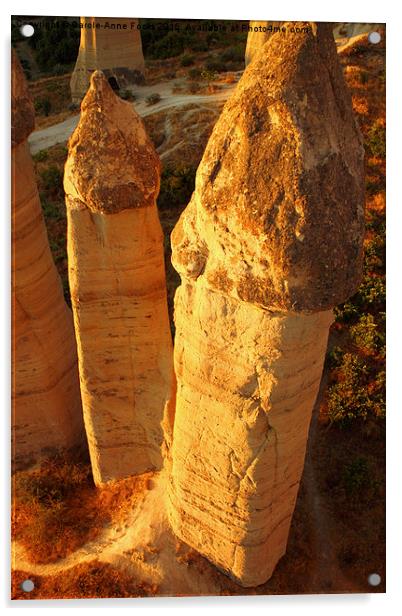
47, 413
118, 286
270, 242
112, 45
261, 31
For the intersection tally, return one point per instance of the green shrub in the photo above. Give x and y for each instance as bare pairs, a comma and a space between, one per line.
59, 249
127, 95
199, 45
334, 357
40, 156
52, 178
370, 296
168, 46
355, 396
374, 253
194, 73
364, 77
367, 335
152, 99
376, 139
43, 106
233, 54
26, 68
52, 86
371, 292
208, 76
55, 48
215, 65
60, 69
356, 476
346, 313
177, 185
52, 211
187, 60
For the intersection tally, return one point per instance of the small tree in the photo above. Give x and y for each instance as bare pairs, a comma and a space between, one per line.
208, 76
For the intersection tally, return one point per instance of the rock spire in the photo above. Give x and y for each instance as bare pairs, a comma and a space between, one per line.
270, 241
46, 403
118, 286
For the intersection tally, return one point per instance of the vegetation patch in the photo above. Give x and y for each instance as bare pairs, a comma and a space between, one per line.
57, 508
152, 99
92, 580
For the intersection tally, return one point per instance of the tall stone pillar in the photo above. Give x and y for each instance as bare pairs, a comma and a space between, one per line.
46, 403
118, 286
270, 242
112, 45
259, 33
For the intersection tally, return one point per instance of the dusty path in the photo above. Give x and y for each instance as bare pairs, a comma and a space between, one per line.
144, 547
59, 133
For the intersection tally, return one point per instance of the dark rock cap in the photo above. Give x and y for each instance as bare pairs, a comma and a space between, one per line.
277, 216
112, 164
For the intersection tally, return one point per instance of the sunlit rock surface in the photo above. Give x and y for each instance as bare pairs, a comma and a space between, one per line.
259, 33
112, 45
118, 287
47, 413
270, 242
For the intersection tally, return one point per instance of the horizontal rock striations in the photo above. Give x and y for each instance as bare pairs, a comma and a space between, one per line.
112, 45
47, 413
118, 287
271, 240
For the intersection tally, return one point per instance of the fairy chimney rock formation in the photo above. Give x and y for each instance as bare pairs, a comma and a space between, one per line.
258, 34
112, 45
270, 241
46, 404
117, 282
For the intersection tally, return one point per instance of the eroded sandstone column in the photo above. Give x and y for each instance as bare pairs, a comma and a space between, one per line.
260, 32
118, 286
112, 45
47, 412
270, 242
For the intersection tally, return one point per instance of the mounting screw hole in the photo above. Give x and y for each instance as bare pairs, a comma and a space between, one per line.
374, 579
374, 37
27, 585
27, 30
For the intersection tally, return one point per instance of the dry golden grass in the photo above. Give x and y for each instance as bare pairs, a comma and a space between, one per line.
88, 580
360, 105
57, 509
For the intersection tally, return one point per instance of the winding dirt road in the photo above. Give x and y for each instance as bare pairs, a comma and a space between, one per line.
60, 133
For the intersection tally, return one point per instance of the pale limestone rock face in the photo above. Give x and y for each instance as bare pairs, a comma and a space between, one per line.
118, 287
271, 240
247, 381
47, 413
112, 45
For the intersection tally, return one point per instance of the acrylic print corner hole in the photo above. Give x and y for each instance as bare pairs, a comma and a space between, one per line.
27, 30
